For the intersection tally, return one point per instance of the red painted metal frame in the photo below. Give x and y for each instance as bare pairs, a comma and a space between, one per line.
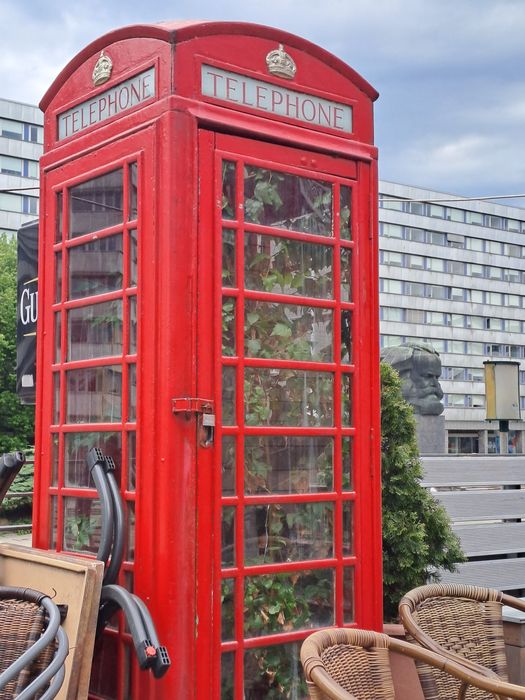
177, 138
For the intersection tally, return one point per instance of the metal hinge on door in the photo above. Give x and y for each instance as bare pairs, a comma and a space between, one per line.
203, 410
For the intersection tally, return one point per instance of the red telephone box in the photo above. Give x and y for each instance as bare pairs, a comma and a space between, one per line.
209, 318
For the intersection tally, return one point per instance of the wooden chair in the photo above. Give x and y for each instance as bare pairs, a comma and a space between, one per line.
462, 623
353, 664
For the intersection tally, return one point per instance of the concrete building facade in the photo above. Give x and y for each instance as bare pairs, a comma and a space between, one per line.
452, 274
21, 145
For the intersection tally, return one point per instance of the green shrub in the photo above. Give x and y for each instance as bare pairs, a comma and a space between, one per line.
417, 535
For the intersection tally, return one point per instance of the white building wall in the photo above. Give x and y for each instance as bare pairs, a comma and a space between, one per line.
478, 265
21, 139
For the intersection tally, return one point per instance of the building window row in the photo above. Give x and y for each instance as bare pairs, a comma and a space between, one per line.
464, 401
18, 166
21, 204
450, 240
453, 267
438, 291
21, 131
463, 216
441, 318
462, 374
458, 347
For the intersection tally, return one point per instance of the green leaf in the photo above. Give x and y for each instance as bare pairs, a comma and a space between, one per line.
281, 330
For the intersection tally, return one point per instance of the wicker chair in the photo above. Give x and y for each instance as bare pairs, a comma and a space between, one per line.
33, 645
462, 623
352, 664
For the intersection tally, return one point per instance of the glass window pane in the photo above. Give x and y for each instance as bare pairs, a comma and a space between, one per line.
272, 672
348, 595
391, 230
132, 460
228, 326
58, 223
346, 337
227, 609
76, 447
348, 528
228, 258
133, 258
285, 266
287, 332
228, 537
96, 204
130, 538
288, 464
282, 200
82, 518
95, 267
347, 462
229, 449
288, 397
345, 207
229, 206
347, 399
132, 172
346, 274
132, 392
227, 675
58, 278
54, 460
94, 395
56, 398
95, 330
283, 532
228, 396
280, 602
132, 325
58, 337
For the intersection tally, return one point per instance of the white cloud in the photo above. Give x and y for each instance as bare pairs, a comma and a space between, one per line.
450, 71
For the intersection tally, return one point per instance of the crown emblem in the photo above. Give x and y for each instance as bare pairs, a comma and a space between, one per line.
102, 69
280, 63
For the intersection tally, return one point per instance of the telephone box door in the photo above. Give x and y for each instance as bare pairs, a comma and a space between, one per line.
287, 513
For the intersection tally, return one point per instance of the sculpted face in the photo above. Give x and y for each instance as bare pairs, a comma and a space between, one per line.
420, 384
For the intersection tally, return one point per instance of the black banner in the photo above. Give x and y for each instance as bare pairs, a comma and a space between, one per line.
26, 307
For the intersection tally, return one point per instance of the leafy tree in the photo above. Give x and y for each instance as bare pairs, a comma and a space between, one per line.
417, 535
16, 420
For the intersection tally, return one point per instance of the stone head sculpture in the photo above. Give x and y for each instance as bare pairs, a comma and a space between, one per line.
419, 368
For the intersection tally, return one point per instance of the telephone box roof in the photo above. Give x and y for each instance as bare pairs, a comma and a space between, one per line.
177, 32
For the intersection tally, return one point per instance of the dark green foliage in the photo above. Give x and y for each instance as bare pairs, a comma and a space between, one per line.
417, 535
19, 508
16, 420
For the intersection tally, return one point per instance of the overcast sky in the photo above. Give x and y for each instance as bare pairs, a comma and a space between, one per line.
450, 73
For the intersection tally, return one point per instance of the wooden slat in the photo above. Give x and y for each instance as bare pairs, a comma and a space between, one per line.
483, 505
489, 540
473, 471
502, 574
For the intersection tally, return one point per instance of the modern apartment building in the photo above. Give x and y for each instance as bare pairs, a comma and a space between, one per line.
452, 274
21, 144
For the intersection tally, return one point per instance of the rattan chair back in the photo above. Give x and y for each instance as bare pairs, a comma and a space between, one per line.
21, 625
355, 664
456, 620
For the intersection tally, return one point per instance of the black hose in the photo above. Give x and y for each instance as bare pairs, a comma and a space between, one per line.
10, 465
97, 466
117, 551
144, 649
